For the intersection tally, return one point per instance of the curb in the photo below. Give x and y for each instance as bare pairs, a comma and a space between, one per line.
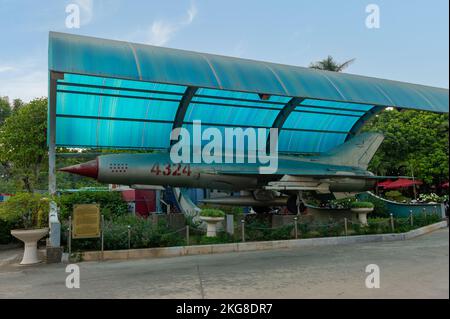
254, 246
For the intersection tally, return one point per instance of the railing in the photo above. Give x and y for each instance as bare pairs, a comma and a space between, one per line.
146, 235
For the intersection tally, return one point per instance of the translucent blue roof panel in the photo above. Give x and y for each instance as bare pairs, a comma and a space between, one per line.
238, 116
308, 142
113, 94
311, 121
76, 54
118, 107
222, 130
95, 133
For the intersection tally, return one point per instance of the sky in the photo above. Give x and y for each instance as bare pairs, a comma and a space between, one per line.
411, 43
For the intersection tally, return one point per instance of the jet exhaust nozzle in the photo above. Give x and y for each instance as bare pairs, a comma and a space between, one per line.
88, 169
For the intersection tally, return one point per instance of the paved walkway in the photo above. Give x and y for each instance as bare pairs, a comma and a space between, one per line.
416, 268
10, 256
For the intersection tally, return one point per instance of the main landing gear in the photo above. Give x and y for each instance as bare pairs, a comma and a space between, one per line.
295, 205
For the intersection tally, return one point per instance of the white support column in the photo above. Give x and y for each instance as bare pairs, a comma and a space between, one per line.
55, 225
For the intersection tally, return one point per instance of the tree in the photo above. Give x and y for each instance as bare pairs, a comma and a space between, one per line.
23, 142
5, 109
329, 64
416, 142
17, 104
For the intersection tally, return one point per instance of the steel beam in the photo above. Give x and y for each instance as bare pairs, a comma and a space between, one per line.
356, 128
182, 108
118, 95
55, 225
116, 88
282, 117
108, 118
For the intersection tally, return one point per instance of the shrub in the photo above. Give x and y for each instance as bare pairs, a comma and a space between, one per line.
5, 231
227, 209
380, 209
395, 196
431, 198
362, 205
342, 203
143, 234
219, 239
111, 203
260, 229
211, 212
25, 210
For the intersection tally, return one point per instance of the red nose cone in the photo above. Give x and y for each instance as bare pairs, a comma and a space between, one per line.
89, 169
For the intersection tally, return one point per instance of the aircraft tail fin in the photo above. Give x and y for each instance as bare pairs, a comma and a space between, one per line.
356, 152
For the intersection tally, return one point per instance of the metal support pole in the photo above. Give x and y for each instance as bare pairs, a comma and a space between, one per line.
392, 222
70, 236
411, 217
55, 225
295, 228
187, 235
103, 237
443, 215
345, 226
243, 230
129, 236
425, 214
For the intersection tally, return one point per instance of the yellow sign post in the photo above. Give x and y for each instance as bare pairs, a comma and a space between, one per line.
86, 221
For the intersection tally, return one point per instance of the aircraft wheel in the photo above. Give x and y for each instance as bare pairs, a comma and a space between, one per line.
292, 205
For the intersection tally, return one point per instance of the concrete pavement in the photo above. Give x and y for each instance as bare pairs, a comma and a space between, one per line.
416, 268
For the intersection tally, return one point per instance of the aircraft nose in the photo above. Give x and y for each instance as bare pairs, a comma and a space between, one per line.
89, 169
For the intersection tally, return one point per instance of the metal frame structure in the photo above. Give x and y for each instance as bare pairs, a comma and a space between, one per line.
95, 84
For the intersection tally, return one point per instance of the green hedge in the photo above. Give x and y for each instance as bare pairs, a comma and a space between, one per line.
362, 205
111, 203
143, 234
211, 212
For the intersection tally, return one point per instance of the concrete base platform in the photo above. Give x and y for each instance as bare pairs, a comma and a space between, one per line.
253, 246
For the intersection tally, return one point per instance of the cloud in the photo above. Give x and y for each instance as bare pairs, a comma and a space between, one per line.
162, 31
23, 79
192, 13
6, 68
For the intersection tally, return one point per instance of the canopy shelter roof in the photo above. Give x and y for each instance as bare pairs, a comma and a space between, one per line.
403, 183
112, 94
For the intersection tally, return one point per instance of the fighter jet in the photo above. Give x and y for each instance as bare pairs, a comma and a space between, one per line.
341, 170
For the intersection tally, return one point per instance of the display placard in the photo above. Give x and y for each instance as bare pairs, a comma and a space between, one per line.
86, 221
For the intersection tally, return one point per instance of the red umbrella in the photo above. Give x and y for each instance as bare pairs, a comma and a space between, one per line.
385, 183
403, 183
445, 185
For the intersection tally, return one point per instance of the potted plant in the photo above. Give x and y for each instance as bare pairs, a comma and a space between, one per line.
362, 209
29, 212
211, 217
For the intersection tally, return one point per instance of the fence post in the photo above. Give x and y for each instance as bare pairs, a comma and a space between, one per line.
411, 217
295, 227
129, 236
187, 235
345, 226
103, 237
243, 229
70, 236
425, 213
392, 222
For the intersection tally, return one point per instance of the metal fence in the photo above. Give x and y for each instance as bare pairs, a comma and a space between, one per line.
146, 235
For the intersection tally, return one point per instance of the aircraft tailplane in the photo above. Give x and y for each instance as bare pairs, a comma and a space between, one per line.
357, 152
